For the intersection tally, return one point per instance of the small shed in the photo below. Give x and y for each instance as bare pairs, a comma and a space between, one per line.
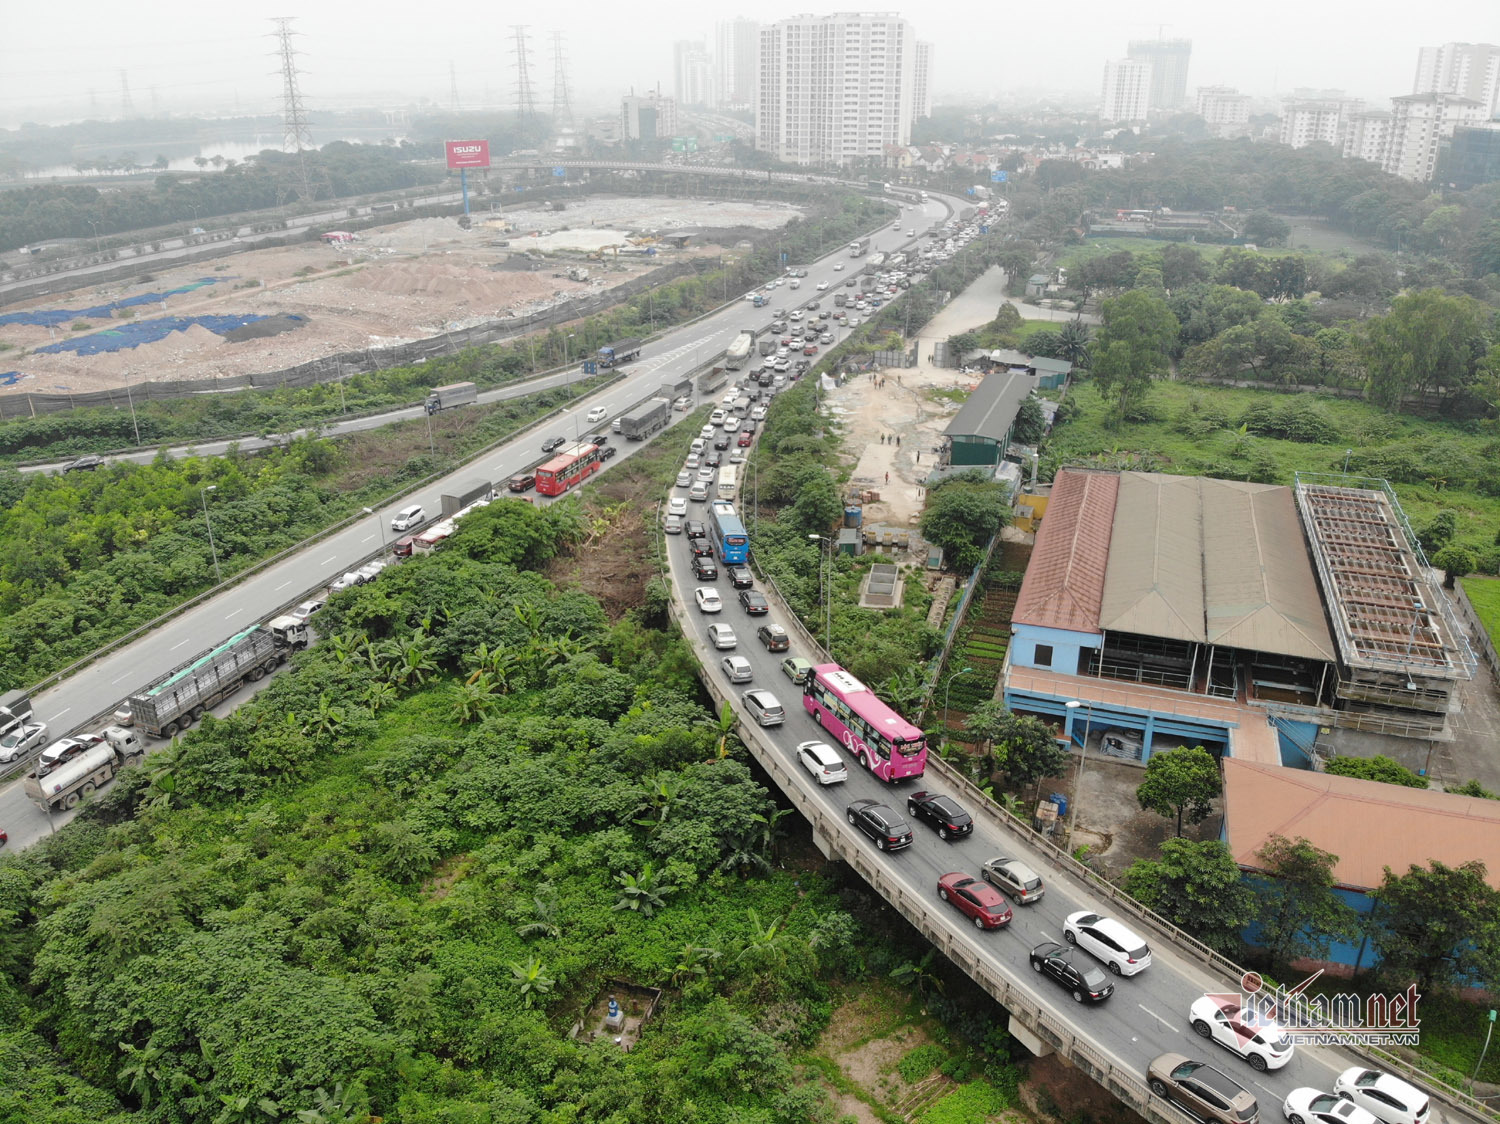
1036, 285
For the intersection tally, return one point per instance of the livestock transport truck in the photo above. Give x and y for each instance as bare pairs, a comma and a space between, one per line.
180, 697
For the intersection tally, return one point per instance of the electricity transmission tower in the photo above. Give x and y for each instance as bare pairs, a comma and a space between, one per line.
525, 102
127, 103
453, 102
562, 98
295, 136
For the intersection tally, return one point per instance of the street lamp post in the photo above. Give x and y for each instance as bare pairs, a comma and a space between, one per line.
946, 692
567, 363
130, 397
1083, 760
378, 524
826, 596
98, 245
207, 522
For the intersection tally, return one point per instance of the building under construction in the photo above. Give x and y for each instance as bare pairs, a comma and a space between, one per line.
1400, 652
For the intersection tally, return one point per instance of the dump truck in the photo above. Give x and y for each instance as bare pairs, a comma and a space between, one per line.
739, 350
454, 394
15, 711
646, 418
454, 502
621, 352
74, 780
180, 697
710, 381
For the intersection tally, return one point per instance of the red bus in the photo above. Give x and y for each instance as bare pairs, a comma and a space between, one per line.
571, 466
879, 738
432, 538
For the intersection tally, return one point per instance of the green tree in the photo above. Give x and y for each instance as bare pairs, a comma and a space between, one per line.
961, 515
1198, 887
1428, 341
1455, 562
1439, 925
1474, 788
531, 980
1075, 341
1378, 768
1031, 422
1023, 746
643, 893
1181, 783
1299, 914
1181, 266
1138, 334
1265, 229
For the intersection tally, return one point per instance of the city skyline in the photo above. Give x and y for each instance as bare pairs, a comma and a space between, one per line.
177, 57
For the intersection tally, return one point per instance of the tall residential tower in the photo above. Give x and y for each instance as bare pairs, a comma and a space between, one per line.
1168, 59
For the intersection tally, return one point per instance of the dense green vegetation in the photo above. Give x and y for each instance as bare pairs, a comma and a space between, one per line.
34, 214
388, 884
97, 553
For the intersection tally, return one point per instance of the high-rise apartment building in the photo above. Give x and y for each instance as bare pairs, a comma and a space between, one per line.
1472, 156
1470, 70
922, 75
1420, 123
1368, 136
693, 72
647, 117
736, 51
1325, 120
1169, 60
835, 89
1127, 91
1224, 108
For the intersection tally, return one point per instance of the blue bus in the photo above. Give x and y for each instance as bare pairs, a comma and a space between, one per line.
731, 543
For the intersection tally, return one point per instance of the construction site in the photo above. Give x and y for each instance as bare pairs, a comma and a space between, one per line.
274, 309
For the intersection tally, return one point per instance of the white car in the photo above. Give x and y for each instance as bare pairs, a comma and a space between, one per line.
672, 525
598, 413
911, 233
721, 636
22, 740
852, 322
677, 506
822, 285
1106, 939
691, 462
823, 762
345, 581
736, 456
1313, 1106
698, 444
708, 600
706, 474
1383, 1095
1245, 1031
797, 314
758, 414
707, 433
838, 267
737, 668
716, 418
684, 478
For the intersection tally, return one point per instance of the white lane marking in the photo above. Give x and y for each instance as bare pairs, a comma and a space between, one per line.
1273, 1094
280, 587
61, 712
1155, 1016
327, 560
127, 675
236, 613
367, 538
177, 645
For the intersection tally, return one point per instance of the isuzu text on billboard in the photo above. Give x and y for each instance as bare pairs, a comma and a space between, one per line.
468, 154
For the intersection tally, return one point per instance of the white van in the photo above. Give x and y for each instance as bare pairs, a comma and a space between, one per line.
408, 517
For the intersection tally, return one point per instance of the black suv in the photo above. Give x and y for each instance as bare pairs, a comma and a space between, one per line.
1086, 981
753, 602
553, 443
83, 464
942, 812
880, 823
695, 529
704, 569
740, 576
701, 548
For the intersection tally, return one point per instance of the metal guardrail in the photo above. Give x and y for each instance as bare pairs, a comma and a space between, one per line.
1125, 1084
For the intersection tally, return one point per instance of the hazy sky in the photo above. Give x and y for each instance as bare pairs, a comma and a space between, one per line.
202, 55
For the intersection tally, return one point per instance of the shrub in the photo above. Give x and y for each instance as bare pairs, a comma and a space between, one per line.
920, 1062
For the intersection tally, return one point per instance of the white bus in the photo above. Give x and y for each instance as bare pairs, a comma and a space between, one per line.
728, 482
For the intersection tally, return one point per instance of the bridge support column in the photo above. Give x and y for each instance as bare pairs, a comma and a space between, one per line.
825, 845
1022, 1034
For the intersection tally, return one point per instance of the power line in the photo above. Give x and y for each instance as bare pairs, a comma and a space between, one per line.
562, 98
525, 102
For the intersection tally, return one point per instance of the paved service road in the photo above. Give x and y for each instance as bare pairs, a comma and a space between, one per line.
103, 684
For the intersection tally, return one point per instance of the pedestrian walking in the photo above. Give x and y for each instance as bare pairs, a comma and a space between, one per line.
898, 441
887, 477
882, 439
919, 456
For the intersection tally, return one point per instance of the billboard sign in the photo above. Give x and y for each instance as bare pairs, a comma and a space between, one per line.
467, 154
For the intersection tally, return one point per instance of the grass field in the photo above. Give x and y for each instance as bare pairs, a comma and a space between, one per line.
1450, 466
1484, 595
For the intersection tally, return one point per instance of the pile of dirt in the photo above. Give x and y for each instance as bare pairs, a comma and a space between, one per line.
265, 329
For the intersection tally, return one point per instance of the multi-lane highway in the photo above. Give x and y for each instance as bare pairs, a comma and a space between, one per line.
99, 687
1146, 1016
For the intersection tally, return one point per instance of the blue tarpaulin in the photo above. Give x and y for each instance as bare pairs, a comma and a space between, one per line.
137, 332
51, 317
9, 378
